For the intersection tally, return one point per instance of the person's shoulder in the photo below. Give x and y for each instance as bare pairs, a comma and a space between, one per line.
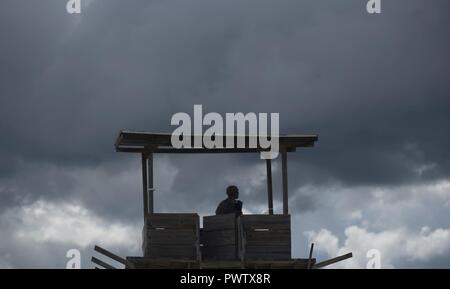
223, 202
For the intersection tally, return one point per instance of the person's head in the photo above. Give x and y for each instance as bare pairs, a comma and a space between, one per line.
233, 192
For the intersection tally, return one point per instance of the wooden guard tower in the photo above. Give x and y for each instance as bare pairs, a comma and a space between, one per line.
177, 241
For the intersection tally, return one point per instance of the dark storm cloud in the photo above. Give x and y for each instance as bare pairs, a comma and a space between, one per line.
375, 89
372, 87
359, 81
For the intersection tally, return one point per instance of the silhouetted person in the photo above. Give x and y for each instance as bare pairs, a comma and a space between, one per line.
231, 204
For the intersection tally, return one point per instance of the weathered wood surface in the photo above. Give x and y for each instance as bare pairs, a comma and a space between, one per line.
219, 237
132, 141
183, 252
269, 186
310, 256
280, 222
272, 237
102, 263
219, 222
171, 236
281, 264
268, 254
146, 263
332, 260
284, 181
109, 254
264, 237
151, 263
227, 252
172, 221
260, 237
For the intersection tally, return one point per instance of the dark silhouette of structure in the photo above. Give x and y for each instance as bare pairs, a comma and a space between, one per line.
231, 205
174, 240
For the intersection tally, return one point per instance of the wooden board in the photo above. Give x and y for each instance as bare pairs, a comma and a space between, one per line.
279, 237
267, 253
146, 263
280, 264
219, 237
280, 222
172, 221
264, 237
227, 252
173, 236
170, 236
219, 222
171, 252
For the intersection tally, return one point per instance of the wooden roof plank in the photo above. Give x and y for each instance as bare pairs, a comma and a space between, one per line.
138, 142
101, 263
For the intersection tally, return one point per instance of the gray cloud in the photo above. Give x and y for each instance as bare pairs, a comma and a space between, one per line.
375, 89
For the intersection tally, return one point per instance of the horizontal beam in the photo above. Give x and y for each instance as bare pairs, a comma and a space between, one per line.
132, 138
332, 261
110, 255
101, 263
129, 141
192, 150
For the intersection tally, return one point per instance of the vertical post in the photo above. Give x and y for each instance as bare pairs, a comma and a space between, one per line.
150, 183
310, 256
269, 186
285, 180
144, 184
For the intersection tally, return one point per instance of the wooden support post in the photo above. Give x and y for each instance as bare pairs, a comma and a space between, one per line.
110, 255
332, 261
150, 183
101, 263
310, 256
285, 181
269, 186
144, 184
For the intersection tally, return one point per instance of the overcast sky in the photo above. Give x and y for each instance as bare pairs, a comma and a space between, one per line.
375, 88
